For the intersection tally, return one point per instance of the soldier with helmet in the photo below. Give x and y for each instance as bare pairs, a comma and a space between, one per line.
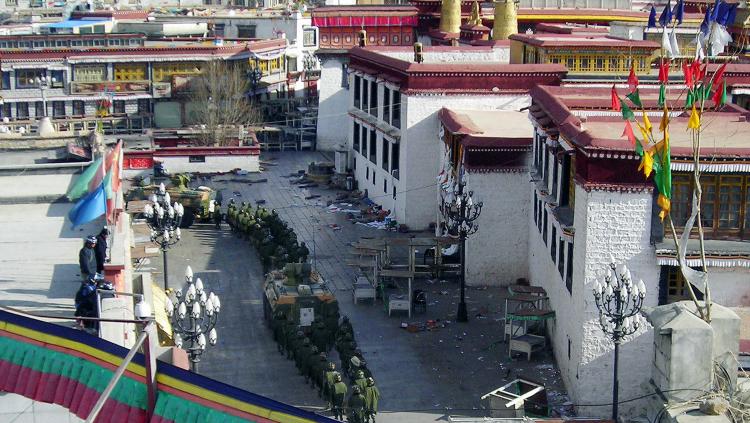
330, 380
356, 406
339, 395
372, 396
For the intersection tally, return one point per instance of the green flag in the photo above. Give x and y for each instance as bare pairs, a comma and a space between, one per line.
662, 95
689, 99
627, 114
635, 98
81, 185
638, 147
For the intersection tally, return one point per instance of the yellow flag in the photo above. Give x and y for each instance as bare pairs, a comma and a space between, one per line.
646, 122
695, 119
665, 205
647, 163
664, 124
644, 133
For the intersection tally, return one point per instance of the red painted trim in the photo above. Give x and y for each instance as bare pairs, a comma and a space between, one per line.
207, 151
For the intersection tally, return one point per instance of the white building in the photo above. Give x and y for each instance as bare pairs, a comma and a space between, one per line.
393, 109
339, 29
589, 203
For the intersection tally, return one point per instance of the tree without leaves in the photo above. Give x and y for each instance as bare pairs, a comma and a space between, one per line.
221, 105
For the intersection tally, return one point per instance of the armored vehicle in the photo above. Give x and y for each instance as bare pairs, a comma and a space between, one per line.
299, 293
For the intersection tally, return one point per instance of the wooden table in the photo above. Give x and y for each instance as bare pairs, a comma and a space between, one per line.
525, 342
527, 289
521, 302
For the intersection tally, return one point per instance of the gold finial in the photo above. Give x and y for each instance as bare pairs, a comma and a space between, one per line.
476, 18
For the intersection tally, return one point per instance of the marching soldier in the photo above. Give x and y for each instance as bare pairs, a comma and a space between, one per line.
330, 376
360, 381
278, 324
302, 253
231, 214
319, 372
319, 334
309, 363
339, 395
372, 396
217, 214
302, 353
356, 406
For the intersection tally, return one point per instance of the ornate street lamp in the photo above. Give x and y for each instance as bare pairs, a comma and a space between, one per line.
164, 220
459, 213
619, 301
44, 83
193, 313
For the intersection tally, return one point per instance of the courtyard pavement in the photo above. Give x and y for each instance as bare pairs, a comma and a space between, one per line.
422, 376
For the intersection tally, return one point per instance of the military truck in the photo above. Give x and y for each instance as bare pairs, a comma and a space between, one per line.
299, 293
198, 203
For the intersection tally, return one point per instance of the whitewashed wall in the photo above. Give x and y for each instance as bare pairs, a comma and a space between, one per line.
421, 149
498, 253
212, 164
333, 104
730, 287
605, 223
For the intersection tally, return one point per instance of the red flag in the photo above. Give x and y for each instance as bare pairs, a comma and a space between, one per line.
719, 75
111, 210
112, 164
629, 132
632, 79
698, 71
664, 71
688, 72
615, 100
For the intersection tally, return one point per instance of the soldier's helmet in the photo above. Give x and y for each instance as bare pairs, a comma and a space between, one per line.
370, 381
314, 348
231, 201
345, 318
331, 365
360, 374
243, 204
337, 377
300, 334
323, 356
306, 341
355, 389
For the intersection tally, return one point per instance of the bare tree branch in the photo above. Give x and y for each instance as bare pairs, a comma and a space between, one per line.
222, 108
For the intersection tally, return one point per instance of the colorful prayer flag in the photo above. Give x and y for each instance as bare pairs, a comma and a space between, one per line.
81, 185
646, 122
112, 164
678, 11
615, 100
720, 95
666, 14
695, 121
89, 207
662, 95
665, 44
673, 43
664, 71
627, 113
632, 79
687, 72
647, 163
652, 18
664, 123
635, 98
689, 99
719, 75
628, 131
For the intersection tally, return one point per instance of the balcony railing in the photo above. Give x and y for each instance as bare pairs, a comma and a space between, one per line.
111, 125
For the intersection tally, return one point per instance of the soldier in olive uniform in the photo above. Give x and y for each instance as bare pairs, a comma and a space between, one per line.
302, 253
339, 396
309, 362
277, 325
231, 214
301, 355
296, 344
360, 381
356, 406
346, 353
291, 333
372, 396
319, 334
331, 322
330, 379
319, 372
217, 214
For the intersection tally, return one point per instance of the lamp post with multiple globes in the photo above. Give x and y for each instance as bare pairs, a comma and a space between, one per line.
619, 301
164, 219
193, 312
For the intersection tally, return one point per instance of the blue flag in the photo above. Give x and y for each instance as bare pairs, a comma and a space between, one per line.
666, 14
706, 22
715, 11
652, 18
88, 208
678, 11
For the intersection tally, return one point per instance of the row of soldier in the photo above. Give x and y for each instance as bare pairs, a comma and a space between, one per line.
310, 355
274, 240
